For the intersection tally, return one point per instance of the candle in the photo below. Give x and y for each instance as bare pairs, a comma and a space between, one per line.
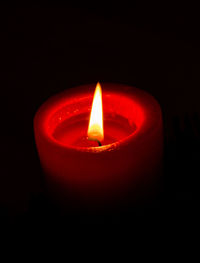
100, 149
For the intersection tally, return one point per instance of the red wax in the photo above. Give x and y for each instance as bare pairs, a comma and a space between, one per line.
129, 159
73, 131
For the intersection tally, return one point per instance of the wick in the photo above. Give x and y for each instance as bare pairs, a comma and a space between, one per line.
99, 143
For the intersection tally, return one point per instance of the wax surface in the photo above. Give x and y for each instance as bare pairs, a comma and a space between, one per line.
68, 122
73, 131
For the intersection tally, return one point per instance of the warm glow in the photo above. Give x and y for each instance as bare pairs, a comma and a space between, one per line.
95, 128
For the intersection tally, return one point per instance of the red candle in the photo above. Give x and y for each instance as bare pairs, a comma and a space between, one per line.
102, 154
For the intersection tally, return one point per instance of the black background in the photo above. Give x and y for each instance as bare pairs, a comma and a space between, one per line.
46, 49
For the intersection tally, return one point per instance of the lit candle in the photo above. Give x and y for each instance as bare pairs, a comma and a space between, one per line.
100, 149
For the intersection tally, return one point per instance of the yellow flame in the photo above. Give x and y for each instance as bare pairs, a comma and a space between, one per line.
95, 128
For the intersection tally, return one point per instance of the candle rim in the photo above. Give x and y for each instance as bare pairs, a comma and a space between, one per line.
112, 87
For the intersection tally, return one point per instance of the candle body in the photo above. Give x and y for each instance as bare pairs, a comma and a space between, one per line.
125, 168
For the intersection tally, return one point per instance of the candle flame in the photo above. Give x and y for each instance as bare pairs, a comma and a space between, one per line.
95, 128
